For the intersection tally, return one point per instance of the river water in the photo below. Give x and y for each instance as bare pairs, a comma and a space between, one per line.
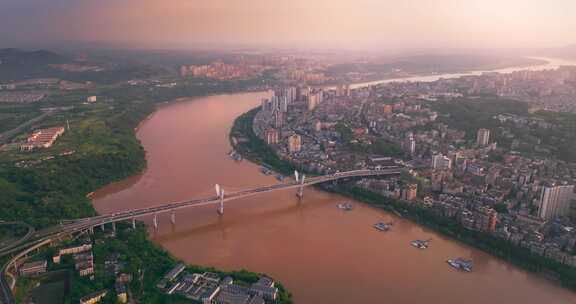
320, 253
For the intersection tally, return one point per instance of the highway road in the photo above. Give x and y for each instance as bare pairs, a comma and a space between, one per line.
21, 240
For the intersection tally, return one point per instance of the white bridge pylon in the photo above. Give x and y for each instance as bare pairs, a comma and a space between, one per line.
220, 194
173, 217
300, 179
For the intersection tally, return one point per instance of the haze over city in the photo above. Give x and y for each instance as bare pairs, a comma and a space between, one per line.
287, 151
346, 24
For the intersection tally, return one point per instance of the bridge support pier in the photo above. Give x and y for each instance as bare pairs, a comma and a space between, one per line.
173, 217
114, 226
134, 223
220, 194
102, 227
155, 221
300, 180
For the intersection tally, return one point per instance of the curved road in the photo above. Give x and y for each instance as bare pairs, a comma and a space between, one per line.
19, 241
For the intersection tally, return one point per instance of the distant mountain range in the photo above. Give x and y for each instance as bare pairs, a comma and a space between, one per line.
16, 57
17, 64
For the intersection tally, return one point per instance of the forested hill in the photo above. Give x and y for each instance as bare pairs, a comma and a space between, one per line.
16, 57
17, 64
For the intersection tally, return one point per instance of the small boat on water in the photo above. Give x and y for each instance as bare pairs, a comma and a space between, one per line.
347, 206
461, 264
235, 155
265, 170
382, 226
420, 244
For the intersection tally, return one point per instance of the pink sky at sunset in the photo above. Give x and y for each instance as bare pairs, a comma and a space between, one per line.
314, 23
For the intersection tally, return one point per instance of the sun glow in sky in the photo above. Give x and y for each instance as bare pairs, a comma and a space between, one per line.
352, 24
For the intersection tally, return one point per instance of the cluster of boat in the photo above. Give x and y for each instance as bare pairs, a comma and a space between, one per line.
458, 263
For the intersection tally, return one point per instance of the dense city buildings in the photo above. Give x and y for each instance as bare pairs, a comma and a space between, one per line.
552, 90
472, 176
221, 71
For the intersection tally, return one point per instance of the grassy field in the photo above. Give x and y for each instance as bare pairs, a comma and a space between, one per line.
49, 293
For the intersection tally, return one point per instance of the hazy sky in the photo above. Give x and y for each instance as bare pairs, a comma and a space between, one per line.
308, 23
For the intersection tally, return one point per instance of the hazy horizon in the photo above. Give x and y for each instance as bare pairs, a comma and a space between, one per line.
345, 24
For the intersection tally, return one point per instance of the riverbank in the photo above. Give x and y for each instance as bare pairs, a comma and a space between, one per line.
256, 150
526, 62
157, 258
106, 151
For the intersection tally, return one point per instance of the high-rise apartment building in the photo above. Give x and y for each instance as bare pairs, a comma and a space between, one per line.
555, 200
278, 119
409, 143
271, 136
294, 143
283, 107
410, 192
314, 99
483, 137
441, 162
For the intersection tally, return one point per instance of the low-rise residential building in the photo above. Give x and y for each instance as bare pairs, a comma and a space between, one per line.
94, 297
33, 268
121, 293
209, 288
43, 138
264, 288
84, 263
174, 272
70, 250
